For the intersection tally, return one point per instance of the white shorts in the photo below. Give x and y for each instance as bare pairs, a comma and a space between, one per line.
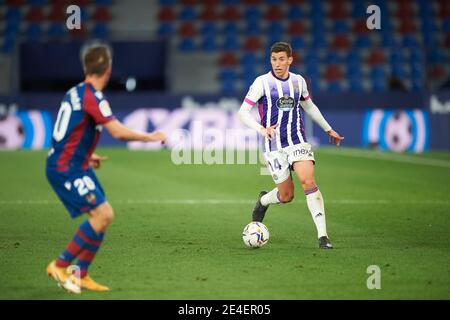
280, 162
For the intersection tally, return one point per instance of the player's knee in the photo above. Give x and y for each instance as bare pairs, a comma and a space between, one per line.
107, 214
308, 183
286, 196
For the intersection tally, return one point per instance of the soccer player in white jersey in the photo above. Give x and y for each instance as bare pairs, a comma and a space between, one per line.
279, 95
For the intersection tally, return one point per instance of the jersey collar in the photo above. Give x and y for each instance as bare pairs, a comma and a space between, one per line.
273, 74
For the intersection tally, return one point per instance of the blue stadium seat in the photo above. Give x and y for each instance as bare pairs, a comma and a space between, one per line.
227, 74
248, 79
377, 72
313, 71
8, 44
186, 45
252, 13
37, 3
276, 37
332, 58
34, 32
294, 13
396, 57
209, 44
274, 29
446, 26
231, 43
428, 26
431, 41
249, 58
334, 86
353, 56
103, 2
56, 31
358, 9
379, 85
354, 70
355, 85
319, 42
167, 2
84, 15
312, 57
228, 86
208, 29
340, 26
230, 2
252, 28
417, 70
398, 71
230, 30
410, 41
100, 31
415, 56
388, 41
362, 41
187, 14
297, 42
166, 29
273, 2
13, 15
435, 56
417, 83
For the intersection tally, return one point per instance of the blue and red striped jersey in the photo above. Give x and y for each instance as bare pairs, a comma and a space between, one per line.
77, 128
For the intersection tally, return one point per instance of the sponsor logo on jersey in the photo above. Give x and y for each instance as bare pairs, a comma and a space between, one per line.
285, 103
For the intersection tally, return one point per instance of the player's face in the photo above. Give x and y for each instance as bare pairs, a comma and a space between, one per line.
280, 63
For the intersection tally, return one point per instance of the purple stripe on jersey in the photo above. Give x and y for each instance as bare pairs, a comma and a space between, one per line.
262, 113
302, 125
294, 128
285, 117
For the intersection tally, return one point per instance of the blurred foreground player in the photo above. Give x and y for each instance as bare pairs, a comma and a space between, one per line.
84, 112
279, 95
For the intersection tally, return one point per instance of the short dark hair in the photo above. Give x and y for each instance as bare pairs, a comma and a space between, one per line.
281, 47
96, 59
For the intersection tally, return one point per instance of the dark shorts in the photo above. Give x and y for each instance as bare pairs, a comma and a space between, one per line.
79, 191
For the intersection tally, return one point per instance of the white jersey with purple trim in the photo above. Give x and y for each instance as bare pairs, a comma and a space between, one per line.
279, 103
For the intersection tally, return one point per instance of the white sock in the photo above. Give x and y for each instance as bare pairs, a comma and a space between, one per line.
270, 198
314, 200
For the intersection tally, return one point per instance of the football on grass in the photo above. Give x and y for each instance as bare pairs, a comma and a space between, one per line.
255, 235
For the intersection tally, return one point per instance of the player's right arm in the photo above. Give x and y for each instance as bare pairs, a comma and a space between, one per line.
121, 132
255, 92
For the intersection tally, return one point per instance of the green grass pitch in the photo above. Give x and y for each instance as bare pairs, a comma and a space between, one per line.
177, 232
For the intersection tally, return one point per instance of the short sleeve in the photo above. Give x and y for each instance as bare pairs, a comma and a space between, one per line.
255, 92
97, 107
